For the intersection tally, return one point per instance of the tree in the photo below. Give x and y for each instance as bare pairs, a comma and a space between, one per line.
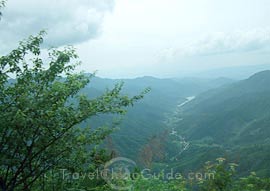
2, 4
154, 150
40, 110
223, 174
252, 182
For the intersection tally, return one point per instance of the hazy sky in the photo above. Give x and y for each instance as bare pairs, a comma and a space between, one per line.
128, 38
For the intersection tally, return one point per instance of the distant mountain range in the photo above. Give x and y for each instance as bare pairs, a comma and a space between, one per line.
147, 117
227, 118
235, 72
234, 119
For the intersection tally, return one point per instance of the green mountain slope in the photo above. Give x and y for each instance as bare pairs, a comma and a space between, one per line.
235, 119
147, 117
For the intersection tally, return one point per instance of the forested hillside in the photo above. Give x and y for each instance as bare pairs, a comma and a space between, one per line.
232, 121
128, 95
149, 117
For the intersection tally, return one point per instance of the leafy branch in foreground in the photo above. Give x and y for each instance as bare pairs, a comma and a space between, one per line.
40, 110
2, 4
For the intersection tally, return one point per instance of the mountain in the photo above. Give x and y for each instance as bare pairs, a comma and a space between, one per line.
147, 117
236, 72
205, 83
232, 121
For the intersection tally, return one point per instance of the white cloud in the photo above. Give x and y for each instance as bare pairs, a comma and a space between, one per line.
221, 43
146, 37
66, 21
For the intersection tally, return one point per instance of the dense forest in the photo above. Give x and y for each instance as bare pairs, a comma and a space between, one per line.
66, 130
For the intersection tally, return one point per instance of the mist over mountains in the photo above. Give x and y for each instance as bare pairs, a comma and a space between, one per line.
226, 118
236, 72
180, 102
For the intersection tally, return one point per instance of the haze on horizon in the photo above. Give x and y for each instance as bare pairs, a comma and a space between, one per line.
131, 38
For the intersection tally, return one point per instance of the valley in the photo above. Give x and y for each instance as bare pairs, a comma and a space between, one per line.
227, 121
